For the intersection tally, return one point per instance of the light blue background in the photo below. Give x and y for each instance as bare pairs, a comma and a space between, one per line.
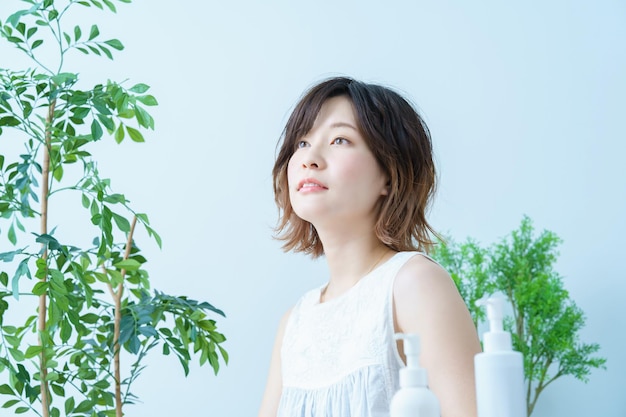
525, 102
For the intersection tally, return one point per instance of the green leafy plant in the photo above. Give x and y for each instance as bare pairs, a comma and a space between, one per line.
544, 320
90, 303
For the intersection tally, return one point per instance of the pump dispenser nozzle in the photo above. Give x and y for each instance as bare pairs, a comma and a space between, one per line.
412, 375
413, 398
411, 344
496, 339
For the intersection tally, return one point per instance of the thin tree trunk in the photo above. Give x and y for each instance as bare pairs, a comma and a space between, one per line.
41, 322
117, 298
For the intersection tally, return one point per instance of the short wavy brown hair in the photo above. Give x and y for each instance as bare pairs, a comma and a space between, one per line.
400, 141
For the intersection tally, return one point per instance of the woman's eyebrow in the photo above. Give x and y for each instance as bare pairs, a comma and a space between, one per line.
343, 124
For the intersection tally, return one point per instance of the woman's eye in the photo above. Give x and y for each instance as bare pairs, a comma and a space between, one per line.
301, 144
340, 141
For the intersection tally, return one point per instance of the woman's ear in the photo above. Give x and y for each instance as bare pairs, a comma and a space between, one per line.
385, 190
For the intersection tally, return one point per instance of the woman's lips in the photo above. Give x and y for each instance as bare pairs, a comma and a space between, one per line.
311, 184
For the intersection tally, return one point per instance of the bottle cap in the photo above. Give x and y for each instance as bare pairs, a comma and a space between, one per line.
411, 375
496, 339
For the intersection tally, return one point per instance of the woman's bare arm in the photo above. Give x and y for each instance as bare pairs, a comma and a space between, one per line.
427, 302
273, 387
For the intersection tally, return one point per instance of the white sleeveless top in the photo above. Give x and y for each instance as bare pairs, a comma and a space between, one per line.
339, 358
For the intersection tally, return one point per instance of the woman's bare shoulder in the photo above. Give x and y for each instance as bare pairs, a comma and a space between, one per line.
419, 276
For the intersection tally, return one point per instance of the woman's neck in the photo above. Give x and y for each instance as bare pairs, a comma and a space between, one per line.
350, 258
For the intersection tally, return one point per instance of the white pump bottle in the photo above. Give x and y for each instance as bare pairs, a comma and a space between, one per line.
413, 399
499, 370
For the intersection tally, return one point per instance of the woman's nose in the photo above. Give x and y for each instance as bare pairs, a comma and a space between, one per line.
313, 159
310, 163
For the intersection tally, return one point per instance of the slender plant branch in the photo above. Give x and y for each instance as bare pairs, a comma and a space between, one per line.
41, 323
117, 298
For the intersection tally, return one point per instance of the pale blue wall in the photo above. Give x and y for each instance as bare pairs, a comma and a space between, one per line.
525, 103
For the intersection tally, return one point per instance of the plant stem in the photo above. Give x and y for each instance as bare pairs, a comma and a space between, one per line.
41, 323
117, 298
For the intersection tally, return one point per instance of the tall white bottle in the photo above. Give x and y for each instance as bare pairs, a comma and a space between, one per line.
499, 370
413, 399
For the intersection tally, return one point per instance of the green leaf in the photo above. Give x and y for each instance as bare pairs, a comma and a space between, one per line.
69, 405
48, 240
139, 88
58, 173
105, 50
119, 133
148, 100
102, 384
135, 134
37, 43
11, 235
115, 44
121, 222
107, 122
58, 390
14, 19
17, 354
77, 33
115, 198
155, 235
13, 340
94, 32
31, 31
21, 410
14, 39
143, 118
64, 78
85, 201
80, 112
90, 318
102, 277
10, 403
40, 288
96, 130
94, 49
224, 354
128, 264
1, 161
126, 114
21, 270
6, 389
9, 121
116, 277
66, 331
94, 209
33, 351
110, 5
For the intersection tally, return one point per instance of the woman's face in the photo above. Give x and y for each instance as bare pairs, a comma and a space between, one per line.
333, 177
